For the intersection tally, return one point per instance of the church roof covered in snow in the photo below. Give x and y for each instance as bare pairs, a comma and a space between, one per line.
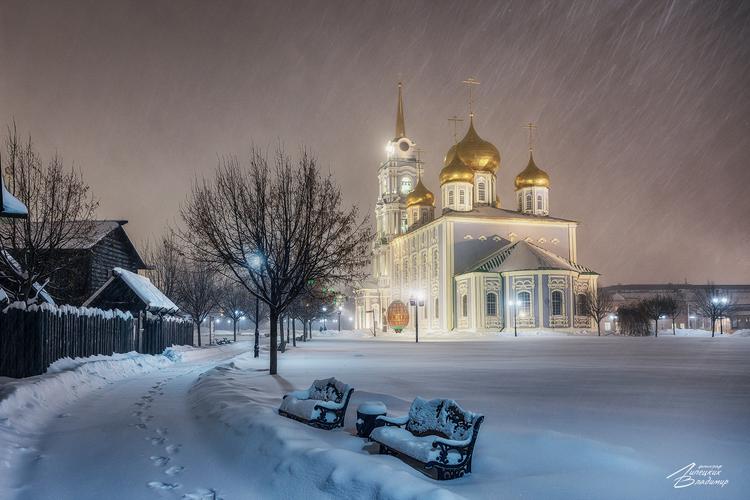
501, 213
525, 256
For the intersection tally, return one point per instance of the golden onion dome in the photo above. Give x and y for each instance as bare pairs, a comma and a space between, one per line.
532, 176
478, 154
420, 196
456, 171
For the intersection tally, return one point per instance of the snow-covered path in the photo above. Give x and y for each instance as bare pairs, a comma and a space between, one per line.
566, 417
133, 439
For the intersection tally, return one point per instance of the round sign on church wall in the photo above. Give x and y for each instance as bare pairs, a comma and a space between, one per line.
398, 315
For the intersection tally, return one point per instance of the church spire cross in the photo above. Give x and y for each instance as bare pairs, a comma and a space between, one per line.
471, 82
400, 124
419, 152
455, 120
531, 127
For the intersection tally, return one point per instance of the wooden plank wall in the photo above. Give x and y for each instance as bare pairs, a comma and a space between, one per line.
32, 339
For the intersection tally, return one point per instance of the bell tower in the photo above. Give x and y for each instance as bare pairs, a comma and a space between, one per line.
397, 176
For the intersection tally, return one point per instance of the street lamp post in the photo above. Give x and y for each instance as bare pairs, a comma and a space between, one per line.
256, 261
325, 328
340, 308
416, 300
514, 305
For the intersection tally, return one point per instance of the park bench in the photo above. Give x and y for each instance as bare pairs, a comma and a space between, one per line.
437, 437
323, 405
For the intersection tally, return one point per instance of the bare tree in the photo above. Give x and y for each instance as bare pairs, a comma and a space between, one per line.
164, 259
673, 304
234, 302
654, 308
713, 303
632, 320
274, 229
599, 303
197, 291
310, 304
61, 213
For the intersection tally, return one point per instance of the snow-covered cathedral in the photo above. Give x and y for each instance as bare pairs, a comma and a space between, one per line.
476, 266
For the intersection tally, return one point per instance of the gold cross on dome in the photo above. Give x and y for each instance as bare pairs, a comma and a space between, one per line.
531, 128
454, 119
471, 82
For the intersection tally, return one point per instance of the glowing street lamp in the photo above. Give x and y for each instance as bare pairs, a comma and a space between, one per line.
255, 262
416, 299
514, 305
340, 309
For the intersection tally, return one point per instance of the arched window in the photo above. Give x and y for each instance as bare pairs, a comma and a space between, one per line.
557, 303
461, 196
523, 301
435, 263
406, 184
529, 202
582, 304
465, 306
539, 204
491, 304
450, 197
481, 190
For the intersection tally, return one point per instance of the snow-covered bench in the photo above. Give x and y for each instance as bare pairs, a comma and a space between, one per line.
437, 437
323, 405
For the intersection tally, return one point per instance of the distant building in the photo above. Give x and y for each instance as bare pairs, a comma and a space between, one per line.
738, 317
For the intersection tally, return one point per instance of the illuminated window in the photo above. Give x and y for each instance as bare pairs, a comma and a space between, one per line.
491, 304
557, 302
539, 202
523, 299
481, 190
529, 202
464, 306
461, 197
450, 197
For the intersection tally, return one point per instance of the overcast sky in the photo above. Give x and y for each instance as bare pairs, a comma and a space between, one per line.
642, 108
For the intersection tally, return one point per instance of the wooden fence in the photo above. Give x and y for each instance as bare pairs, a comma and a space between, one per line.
33, 338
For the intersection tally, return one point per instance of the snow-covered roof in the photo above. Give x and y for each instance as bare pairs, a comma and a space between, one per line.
12, 206
501, 213
99, 229
147, 292
41, 293
526, 256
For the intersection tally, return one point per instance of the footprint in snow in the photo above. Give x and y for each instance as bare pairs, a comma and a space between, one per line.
158, 485
141, 426
157, 441
161, 431
174, 470
173, 448
159, 461
202, 494
63, 415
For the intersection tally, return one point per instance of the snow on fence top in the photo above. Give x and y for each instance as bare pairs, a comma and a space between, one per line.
66, 309
145, 290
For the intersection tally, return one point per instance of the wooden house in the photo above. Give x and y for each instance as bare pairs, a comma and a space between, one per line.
90, 262
129, 291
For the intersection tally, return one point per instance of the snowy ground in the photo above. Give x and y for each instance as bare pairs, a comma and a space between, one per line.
566, 417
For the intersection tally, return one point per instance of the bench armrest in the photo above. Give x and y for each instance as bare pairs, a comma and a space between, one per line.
452, 443
393, 421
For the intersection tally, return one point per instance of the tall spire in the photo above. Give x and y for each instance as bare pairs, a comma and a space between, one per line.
530, 126
400, 126
471, 82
